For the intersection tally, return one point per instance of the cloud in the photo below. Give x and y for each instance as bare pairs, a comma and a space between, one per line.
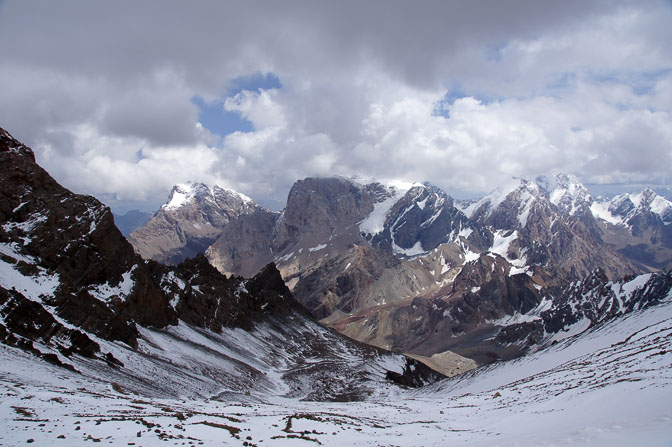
462, 94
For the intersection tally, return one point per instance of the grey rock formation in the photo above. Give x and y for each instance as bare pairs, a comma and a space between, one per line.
189, 222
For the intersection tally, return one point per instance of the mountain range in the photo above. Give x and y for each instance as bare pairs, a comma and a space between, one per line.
407, 267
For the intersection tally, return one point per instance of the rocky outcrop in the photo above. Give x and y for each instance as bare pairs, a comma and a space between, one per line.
424, 218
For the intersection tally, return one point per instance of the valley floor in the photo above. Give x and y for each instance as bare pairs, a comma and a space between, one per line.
610, 386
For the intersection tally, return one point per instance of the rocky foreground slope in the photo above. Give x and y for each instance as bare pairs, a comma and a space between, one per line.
609, 386
74, 293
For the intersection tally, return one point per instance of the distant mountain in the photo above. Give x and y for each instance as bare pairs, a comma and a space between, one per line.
189, 222
131, 220
639, 226
75, 294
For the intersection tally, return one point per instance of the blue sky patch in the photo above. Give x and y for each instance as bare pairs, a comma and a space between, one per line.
217, 120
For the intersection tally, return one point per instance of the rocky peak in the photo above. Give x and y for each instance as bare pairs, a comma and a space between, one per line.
650, 201
10, 144
568, 194
195, 192
189, 222
510, 204
62, 252
320, 207
421, 220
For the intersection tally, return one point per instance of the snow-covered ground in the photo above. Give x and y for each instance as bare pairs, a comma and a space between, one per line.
609, 386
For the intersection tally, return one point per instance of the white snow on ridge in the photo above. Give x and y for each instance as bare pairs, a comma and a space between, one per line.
180, 196
495, 197
26, 226
470, 256
526, 199
9, 250
601, 211
317, 248
415, 250
647, 200
184, 193
501, 243
626, 289
375, 221
662, 207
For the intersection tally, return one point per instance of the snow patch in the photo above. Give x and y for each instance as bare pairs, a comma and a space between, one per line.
105, 292
375, 221
600, 210
470, 256
317, 248
32, 287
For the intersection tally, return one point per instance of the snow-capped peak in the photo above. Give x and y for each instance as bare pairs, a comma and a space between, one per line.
218, 191
563, 190
566, 192
624, 207
184, 193
523, 191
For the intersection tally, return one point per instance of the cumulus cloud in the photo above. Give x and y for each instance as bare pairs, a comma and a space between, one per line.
461, 94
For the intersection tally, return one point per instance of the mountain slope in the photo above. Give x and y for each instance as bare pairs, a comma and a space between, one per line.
607, 386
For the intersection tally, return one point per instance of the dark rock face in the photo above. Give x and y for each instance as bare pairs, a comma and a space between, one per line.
330, 287
30, 321
73, 240
207, 299
428, 216
319, 207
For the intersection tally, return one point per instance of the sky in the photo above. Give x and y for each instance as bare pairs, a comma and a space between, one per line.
123, 99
